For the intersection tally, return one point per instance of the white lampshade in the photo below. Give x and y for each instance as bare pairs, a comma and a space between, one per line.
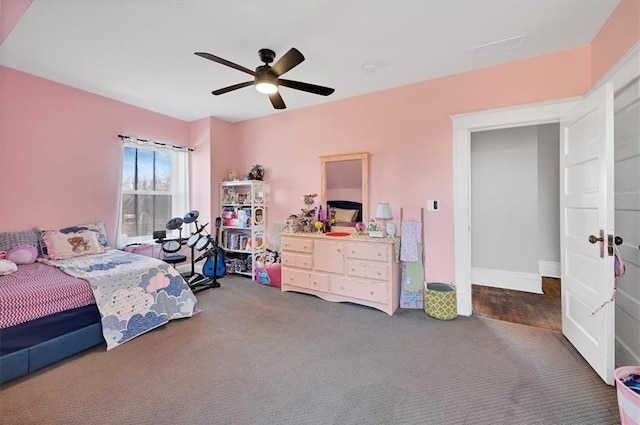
383, 212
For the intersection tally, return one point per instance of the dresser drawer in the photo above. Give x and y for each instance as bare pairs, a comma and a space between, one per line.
303, 279
303, 261
368, 291
368, 270
296, 244
293, 277
369, 251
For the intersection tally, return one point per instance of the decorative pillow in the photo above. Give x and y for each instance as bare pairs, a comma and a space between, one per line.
9, 240
23, 254
67, 245
7, 267
345, 216
97, 227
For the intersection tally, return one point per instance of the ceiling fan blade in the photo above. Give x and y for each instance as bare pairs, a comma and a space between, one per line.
225, 62
276, 101
231, 88
311, 88
290, 60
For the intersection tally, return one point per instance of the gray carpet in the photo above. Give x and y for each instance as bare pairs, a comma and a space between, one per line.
255, 355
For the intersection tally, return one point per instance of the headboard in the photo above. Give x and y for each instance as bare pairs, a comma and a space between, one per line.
347, 205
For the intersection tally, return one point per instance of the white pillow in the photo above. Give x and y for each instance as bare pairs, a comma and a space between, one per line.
7, 267
67, 245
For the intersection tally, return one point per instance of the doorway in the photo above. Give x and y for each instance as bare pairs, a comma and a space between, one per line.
515, 226
463, 126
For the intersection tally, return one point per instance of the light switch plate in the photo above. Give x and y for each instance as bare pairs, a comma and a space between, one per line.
433, 205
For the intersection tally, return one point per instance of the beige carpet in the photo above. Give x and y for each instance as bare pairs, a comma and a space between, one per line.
255, 355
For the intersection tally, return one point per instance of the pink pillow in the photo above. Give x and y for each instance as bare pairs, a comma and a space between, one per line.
67, 245
23, 254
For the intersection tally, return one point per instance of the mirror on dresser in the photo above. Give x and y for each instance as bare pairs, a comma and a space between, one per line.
345, 187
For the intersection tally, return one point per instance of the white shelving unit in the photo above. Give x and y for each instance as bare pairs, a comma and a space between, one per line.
243, 213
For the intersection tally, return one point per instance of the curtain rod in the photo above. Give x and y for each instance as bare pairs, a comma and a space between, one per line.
164, 145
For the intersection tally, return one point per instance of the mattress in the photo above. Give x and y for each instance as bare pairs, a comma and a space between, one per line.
38, 290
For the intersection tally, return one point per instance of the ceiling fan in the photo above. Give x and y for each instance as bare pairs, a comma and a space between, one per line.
267, 78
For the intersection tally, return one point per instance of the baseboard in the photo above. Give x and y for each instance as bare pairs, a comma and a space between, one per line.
517, 281
549, 268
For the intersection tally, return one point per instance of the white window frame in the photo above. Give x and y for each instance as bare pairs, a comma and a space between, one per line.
179, 192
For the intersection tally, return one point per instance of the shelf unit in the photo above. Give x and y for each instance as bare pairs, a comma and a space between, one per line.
243, 213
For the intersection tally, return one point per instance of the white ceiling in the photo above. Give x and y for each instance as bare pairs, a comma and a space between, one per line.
141, 51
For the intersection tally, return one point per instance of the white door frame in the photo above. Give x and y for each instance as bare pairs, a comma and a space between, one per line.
463, 126
624, 71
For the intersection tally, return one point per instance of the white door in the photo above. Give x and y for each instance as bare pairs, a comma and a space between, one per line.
587, 208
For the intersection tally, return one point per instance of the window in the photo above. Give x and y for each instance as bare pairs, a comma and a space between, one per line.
154, 189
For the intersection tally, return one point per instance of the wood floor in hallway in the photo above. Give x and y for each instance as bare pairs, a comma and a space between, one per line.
538, 310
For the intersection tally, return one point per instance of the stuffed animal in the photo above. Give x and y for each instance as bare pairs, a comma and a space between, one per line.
230, 196
271, 257
23, 254
233, 195
232, 174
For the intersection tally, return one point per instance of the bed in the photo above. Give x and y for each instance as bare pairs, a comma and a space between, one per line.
346, 213
54, 308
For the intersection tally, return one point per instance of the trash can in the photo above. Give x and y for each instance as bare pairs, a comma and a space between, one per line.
440, 301
628, 400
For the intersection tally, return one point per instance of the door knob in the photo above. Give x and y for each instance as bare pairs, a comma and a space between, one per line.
594, 239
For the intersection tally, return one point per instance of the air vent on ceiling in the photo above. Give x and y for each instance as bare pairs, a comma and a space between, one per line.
498, 46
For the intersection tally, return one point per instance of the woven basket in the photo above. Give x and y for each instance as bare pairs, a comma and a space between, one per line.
440, 301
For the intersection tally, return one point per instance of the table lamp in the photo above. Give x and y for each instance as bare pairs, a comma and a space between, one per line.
383, 213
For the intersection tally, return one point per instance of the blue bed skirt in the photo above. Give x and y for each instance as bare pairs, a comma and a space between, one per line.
34, 345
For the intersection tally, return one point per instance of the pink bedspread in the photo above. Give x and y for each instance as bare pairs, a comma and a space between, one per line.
37, 290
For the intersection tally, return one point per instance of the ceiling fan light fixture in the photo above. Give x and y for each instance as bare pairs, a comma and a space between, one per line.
266, 87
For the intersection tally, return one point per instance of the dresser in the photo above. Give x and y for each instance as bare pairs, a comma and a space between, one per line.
356, 269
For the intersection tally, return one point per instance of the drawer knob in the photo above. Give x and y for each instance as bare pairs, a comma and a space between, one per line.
379, 254
379, 274
371, 292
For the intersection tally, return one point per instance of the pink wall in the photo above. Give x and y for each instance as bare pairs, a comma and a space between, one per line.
618, 35
225, 154
200, 181
407, 131
59, 152
10, 13
58, 145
